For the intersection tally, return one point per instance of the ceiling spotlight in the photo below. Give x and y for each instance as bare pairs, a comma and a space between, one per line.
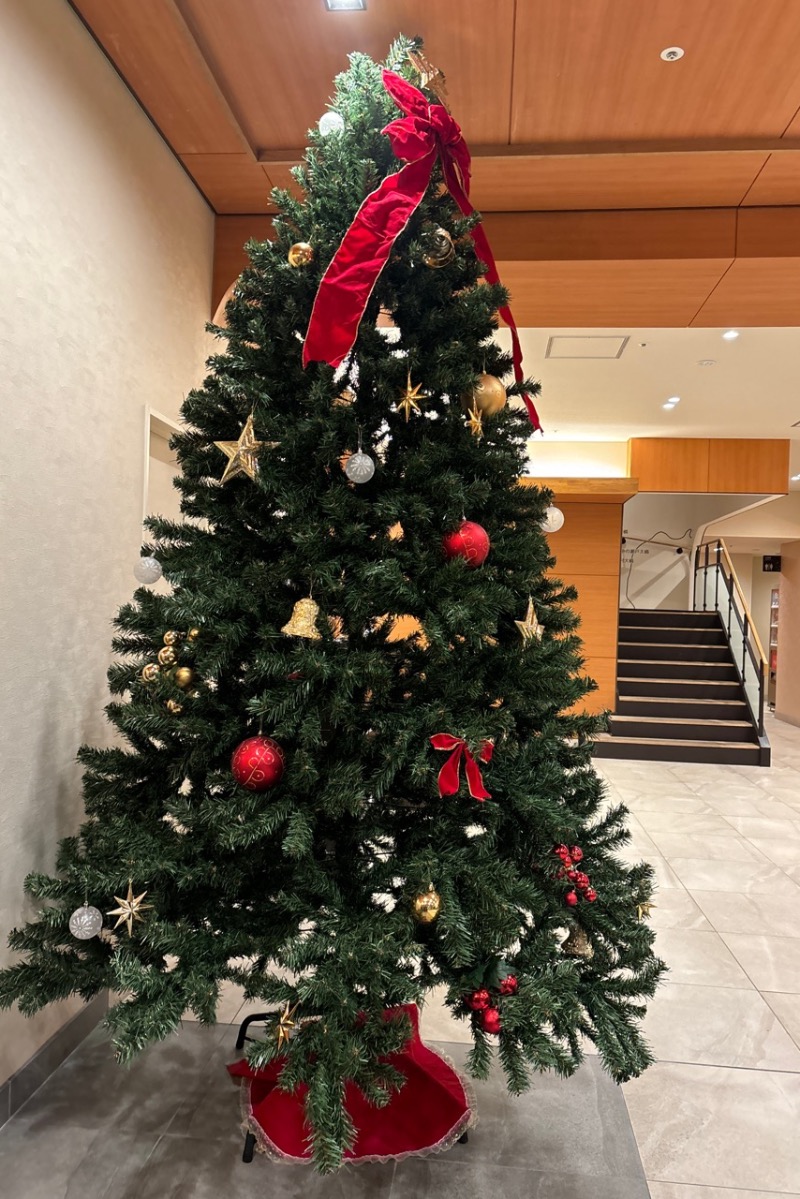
707, 362
346, 5
730, 335
669, 405
672, 53
795, 478
674, 400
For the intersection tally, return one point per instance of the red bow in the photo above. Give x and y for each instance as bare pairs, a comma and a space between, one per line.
449, 780
426, 133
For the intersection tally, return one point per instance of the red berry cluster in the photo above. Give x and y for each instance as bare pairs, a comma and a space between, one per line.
571, 857
481, 1001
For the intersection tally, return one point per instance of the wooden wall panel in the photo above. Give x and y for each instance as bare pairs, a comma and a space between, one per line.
745, 466
589, 542
669, 463
587, 553
230, 182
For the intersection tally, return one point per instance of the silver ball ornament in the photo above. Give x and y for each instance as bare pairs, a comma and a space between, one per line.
331, 122
85, 922
553, 520
147, 570
359, 467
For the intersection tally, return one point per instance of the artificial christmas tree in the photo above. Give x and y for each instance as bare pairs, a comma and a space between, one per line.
279, 796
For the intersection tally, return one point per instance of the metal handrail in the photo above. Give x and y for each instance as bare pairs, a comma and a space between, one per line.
743, 602
751, 641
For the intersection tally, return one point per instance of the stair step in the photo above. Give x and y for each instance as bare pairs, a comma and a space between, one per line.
675, 635
661, 650
667, 617
681, 728
630, 686
677, 669
726, 753
680, 706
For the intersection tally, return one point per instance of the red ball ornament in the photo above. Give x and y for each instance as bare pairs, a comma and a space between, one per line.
572, 875
509, 985
571, 898
490, 1020
469, 541
258, 763
591, 895
479, 1000
582, 880
577, 853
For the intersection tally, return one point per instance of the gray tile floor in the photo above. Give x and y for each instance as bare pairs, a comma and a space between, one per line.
168, 1128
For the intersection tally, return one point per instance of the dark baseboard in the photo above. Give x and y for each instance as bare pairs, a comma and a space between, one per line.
20, 1086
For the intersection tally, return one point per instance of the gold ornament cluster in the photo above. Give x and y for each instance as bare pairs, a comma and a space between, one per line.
182, 676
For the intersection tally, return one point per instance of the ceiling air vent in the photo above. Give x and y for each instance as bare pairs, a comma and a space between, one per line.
600, 346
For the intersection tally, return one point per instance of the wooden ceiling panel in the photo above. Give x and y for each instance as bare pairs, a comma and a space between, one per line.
611, 294
230, 182
148, 42
276, 60
613, 181
755, 291
778, 182
589, 70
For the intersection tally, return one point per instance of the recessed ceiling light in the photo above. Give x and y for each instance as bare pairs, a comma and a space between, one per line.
730, 335
674, 400
707, 362
795, 478
346, 5
672, 53
669, 405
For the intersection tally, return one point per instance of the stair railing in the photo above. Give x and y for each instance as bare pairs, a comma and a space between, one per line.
716, 587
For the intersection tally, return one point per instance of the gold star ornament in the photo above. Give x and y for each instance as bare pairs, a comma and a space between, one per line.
475, 422
129, 909
643, 910
409, 399
242, 455
283, 1029
530, 627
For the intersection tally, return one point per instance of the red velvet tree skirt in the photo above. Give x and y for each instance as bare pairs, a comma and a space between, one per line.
430, 1112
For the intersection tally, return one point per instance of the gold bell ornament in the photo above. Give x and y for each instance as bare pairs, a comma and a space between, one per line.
303, 621
426, 906
439, 249
577, 945
300, 254
488, 396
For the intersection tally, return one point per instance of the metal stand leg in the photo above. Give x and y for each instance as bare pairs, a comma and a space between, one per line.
243, 1027
462, 1140
249, 1147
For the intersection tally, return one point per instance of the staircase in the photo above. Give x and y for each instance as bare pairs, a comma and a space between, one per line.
679, 698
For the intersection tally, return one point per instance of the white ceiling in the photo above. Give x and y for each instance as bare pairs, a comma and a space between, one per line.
753, 390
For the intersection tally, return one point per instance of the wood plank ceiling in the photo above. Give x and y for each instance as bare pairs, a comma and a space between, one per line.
621, 189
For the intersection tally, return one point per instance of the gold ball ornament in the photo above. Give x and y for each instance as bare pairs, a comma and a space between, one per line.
300, 254
167, 656
439, 249
426, 906
193, 634
183, 677
150, 672
171, 637
174, 707
488, 396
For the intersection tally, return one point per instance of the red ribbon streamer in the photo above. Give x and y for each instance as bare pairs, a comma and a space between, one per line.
449, 775
425, 133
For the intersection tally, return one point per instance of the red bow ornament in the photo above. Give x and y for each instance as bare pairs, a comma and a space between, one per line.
426, 133
449, 775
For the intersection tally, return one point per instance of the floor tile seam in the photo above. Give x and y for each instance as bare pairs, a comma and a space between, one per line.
679, 1061
741, 964
711, 1186
112, 1188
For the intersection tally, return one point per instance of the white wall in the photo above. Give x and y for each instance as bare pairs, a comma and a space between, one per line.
549, 459
654, 574
107, 250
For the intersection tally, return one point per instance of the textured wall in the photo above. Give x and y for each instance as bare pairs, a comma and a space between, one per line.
107, 252
787, 698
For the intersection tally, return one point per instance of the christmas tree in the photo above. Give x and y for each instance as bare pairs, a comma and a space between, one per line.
349, 766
